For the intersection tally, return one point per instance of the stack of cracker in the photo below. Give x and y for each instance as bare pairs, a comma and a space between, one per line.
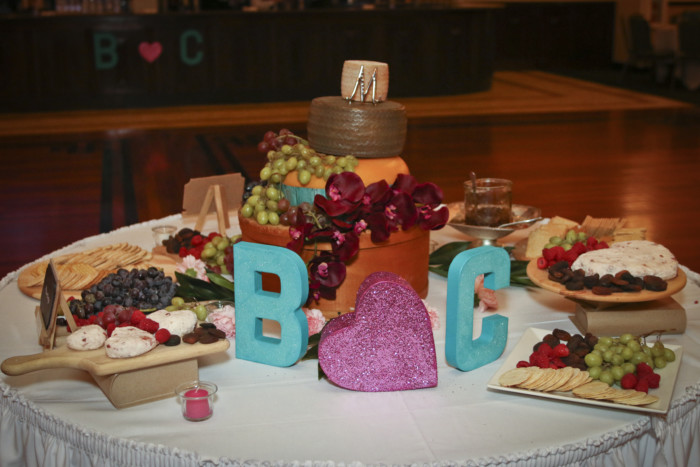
556, 227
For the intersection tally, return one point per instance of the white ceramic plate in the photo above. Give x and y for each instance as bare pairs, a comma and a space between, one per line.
533, 335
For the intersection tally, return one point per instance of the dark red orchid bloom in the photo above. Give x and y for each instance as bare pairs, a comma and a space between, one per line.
404, 183
427, 194
327, 273
401, 212
344, 192
433, 219
345, 245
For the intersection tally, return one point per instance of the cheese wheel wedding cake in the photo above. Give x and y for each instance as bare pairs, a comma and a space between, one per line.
344, 199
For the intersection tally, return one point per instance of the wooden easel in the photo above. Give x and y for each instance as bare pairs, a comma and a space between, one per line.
214, 194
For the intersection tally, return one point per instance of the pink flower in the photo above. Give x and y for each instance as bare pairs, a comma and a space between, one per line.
316, 320
487, 297
224, 319
193, 267
434, 316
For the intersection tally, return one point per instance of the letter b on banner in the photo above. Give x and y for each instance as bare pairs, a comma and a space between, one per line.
105, 45
254, 304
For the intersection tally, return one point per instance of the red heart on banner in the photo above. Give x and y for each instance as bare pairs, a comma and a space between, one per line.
150, 51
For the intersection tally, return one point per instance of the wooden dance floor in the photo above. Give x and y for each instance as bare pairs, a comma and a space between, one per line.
572, 148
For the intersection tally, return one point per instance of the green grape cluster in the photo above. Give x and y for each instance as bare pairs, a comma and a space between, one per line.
306, 162
568, 240
266, 203
614, 357
178, 303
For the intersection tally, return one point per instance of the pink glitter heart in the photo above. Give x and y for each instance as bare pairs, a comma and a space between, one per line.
386, 344
150, 51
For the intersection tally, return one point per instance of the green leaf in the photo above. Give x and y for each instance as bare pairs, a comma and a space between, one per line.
446, 253
441, 258
197, 289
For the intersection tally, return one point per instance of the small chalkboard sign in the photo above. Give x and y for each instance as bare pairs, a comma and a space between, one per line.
47, 311
48, 307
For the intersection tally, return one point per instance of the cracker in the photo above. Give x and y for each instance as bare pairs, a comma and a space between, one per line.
514, 377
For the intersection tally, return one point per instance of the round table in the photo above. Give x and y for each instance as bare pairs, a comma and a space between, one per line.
283, 416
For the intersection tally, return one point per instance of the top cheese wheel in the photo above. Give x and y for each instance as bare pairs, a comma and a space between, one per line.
341, 128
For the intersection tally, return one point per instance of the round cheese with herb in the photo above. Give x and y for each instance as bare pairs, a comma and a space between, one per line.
639, 257
129, 341
88, 337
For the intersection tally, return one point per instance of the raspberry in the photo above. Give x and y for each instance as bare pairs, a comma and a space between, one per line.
570, 256
136, 317
522, 364
642, 385
601, 245
653, 380
110, 328
162, 335
542, 263
560, 350
196, 240
549, 254
539, 359
629, 381
557, 253
579, 248
591, 242
148, 325
183, 252
213, 234
92, 319
557, 362
644, 369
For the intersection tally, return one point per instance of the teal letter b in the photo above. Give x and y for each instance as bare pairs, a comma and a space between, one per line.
253, 304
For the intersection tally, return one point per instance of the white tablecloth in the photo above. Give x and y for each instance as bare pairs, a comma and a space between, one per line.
287, 416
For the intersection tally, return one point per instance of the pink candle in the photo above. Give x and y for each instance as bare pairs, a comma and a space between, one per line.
197, 404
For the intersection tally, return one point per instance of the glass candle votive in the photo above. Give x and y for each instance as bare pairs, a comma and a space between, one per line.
488, 203
196, 400
162, 233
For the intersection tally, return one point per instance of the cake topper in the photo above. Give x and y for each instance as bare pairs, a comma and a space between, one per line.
359, 77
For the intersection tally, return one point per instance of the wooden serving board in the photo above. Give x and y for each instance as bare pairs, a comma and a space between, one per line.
159, 259
98, 363
541, 278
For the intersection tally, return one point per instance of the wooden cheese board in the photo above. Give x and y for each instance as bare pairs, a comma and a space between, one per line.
541, 278
97, 363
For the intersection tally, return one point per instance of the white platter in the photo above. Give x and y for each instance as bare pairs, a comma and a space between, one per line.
523, 350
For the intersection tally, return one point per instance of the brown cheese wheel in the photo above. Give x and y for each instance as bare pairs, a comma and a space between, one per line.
359, 129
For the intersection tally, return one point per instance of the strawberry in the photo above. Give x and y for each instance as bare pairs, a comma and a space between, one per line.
539, 359
560, 350
544, 349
